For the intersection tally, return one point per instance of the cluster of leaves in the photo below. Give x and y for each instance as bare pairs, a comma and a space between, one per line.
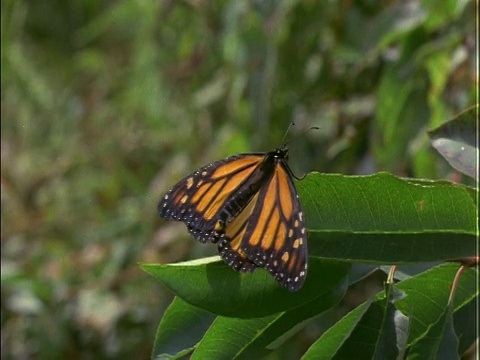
106, 104
379, 219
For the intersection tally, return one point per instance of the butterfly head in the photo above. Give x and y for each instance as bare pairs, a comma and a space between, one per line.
281, 153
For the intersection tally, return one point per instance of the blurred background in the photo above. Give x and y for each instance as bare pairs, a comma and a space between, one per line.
106, 104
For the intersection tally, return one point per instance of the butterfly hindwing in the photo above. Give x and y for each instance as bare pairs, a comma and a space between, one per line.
231, 240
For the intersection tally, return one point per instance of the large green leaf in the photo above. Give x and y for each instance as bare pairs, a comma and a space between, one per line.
230, 338
212, 285
384, 219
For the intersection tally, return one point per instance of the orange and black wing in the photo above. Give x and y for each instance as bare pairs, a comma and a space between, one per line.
199, 199
270, 232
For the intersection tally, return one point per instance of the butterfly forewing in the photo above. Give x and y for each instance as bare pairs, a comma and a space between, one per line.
198, 199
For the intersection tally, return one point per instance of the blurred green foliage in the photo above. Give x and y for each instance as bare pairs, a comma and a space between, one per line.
106, 104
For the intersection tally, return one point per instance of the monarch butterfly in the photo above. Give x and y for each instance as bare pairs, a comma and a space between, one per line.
248, 205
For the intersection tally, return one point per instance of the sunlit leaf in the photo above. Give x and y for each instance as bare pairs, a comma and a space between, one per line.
456, 141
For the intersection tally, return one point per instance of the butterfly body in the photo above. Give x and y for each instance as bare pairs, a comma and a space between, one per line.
247, 204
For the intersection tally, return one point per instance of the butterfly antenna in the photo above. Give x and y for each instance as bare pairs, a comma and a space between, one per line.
286, 133
298, 135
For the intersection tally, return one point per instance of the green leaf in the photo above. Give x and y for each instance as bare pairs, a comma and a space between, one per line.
385, 219
393, 331
376, 330
230, 338
401, 114
404, 272
442, 12
394, 23
369, 328
212, 285
438, 59
181, 328
455, 140
427, 296
360, 271
333, 339
465, 322
438, 342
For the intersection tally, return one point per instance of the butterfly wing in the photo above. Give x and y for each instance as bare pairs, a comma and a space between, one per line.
199, 198
231, 239
249, 205
270, 232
